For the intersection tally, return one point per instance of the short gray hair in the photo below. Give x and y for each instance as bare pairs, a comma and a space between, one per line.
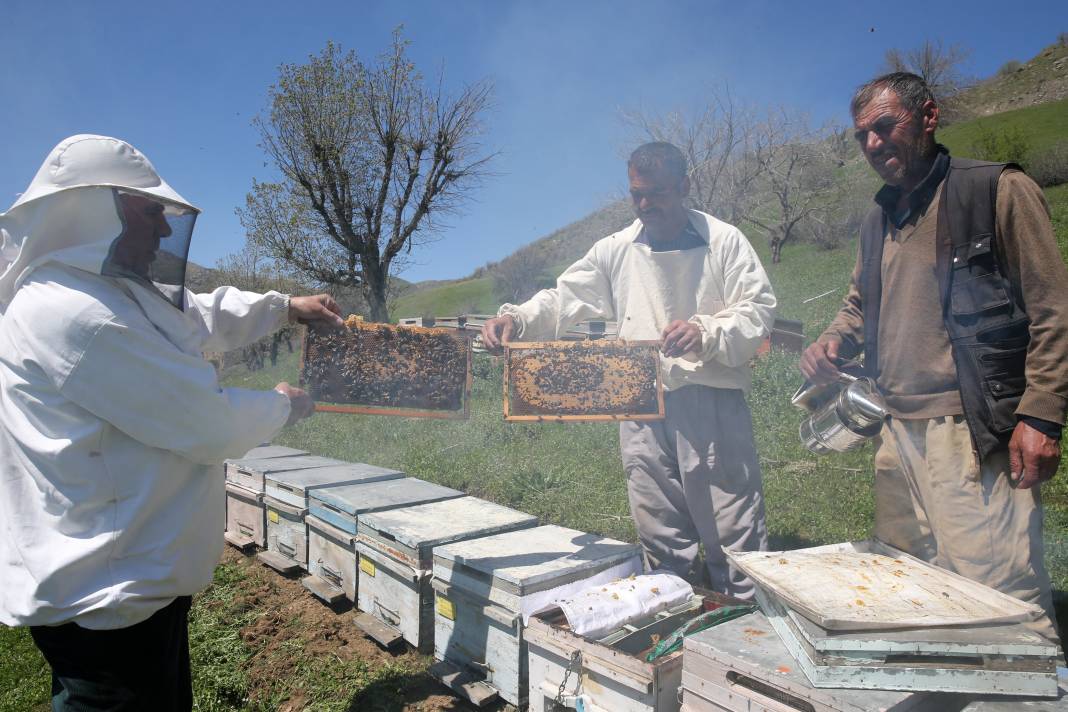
659, 154
910, 88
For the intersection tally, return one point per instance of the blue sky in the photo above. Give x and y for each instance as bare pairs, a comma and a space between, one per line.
183, 81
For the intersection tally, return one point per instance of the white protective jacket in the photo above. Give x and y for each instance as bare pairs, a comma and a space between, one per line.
723, 289
113, 427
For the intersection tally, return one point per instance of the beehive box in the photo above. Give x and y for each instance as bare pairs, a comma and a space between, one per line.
584, 380
339, 508
396, 557
1000, 658
741, 666
485, 586
250, 473
331, 561
611, 673
246, 520
287, 535
295, 487
866, 615
380, 369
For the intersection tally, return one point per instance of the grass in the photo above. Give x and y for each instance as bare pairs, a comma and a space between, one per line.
472, 296
1041, 126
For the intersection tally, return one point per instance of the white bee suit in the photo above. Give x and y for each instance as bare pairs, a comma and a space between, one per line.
112, 425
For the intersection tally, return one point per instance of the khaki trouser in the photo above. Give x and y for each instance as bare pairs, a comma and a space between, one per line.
932, 501
693, 479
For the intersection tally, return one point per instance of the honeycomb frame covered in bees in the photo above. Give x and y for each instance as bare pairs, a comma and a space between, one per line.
583, 381
382, 369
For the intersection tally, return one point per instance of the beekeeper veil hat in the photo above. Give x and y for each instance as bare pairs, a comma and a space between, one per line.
98, 204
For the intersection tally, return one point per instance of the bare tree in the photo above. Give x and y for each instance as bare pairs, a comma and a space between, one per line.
370, 159
718, 142
774, 173
796, 177
517, 277
940, 66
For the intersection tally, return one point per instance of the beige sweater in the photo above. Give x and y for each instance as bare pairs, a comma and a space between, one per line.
917, 374
722, 288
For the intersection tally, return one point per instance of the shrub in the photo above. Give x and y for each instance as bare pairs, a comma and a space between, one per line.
1005, 145
1009, 67
1049, 167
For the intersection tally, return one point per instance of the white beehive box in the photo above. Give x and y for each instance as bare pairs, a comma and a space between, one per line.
287, 537
610, 673
866, 615
250, 473
741, 666
331, 561
246, 520
296, 486
484, 587
396, 557
287, 503
339, 508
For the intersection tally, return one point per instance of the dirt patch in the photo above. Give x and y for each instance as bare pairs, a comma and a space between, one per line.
293, 631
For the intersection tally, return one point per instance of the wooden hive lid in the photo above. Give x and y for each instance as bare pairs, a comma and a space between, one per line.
264, 452
334, 475
284, 464
359, 499
445, 521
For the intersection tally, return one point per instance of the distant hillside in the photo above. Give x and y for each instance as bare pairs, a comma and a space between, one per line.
1041, 80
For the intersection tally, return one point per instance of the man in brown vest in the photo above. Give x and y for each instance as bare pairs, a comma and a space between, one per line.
958, 304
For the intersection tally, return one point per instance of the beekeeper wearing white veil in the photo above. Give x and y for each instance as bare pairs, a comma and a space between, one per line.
113, 426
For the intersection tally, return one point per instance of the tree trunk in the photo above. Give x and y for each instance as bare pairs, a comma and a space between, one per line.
776, 251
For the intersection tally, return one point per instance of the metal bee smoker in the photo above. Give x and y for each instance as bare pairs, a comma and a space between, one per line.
843, 415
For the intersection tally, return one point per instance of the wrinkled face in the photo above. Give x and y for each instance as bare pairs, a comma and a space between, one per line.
658, 198
145, 226
896, 142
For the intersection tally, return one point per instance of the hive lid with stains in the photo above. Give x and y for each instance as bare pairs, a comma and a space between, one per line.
871, 585
423, 526
534, 559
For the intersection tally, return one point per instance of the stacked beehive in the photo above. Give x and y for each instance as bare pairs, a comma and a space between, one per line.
424, 563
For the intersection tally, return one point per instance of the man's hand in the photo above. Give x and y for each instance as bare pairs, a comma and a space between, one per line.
300, 403
320, 307
680, 337
497, 331
1033, 456
819, 362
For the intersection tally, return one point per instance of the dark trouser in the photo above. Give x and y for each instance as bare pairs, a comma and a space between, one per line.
143, 667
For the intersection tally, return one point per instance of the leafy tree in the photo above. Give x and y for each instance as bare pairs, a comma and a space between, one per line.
370, 160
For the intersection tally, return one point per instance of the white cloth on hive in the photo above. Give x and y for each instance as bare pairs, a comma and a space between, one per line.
598, 610
544, 600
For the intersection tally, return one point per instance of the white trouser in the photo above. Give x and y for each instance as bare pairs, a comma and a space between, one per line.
693, 479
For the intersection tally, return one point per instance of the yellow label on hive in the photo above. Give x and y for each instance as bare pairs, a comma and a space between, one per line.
273, 516
367, 566
446, 609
